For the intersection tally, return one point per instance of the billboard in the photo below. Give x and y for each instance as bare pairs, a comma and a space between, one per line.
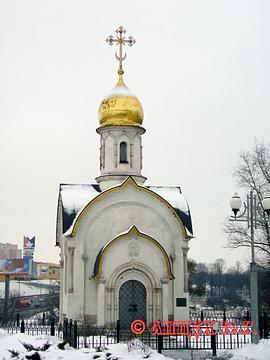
11, 266
28, 246
29, 243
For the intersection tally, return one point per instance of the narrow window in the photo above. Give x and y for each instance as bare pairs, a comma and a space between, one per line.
123, 153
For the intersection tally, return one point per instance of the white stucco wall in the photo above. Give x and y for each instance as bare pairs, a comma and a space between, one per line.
114, 213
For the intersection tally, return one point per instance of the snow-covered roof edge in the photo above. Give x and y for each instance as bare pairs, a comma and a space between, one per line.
76, 196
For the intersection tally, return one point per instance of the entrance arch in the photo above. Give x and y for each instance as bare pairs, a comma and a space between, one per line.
132, 302
143, 274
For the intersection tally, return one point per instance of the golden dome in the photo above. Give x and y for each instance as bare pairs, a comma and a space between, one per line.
120, 107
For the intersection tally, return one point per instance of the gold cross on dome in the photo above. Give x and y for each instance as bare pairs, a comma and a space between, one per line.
120, 40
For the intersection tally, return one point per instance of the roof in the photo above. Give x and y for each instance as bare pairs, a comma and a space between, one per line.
76, 196
174, 196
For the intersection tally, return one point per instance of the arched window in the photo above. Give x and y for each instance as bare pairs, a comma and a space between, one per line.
123, 153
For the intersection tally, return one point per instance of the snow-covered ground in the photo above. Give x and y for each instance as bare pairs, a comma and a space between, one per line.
253, 352
112, 352
15, 343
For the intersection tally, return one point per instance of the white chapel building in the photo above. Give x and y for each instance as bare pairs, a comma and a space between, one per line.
123, 243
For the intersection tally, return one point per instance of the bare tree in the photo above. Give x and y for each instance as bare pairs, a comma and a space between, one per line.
218, 266
8, 313
253, 173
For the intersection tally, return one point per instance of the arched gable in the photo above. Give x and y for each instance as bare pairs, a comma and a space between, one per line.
133, 231
128, 181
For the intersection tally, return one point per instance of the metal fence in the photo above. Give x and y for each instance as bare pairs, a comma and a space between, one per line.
234, 316
80, 336
220, 315
168, 342
34, 328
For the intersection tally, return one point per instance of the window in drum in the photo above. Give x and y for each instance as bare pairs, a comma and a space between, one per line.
123, 153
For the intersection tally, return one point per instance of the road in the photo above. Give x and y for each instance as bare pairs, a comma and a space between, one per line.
35, 304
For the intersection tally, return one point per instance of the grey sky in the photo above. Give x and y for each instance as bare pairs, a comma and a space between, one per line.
200, 69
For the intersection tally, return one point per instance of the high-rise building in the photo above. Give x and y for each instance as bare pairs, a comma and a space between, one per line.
10, 251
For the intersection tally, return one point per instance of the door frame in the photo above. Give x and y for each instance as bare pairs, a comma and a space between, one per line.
145, 275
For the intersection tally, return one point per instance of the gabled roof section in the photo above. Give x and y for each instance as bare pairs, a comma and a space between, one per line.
135, 231
75, 197
173, 195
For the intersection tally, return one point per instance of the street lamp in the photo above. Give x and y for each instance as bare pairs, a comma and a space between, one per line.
249, 215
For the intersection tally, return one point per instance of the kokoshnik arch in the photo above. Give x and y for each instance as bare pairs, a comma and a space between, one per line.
123, 244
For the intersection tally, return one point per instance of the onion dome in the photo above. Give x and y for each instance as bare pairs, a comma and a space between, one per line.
120, 107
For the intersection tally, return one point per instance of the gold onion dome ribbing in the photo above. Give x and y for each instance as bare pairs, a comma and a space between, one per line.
120, 107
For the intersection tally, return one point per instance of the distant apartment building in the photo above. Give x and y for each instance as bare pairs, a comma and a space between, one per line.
47, 271
10, 251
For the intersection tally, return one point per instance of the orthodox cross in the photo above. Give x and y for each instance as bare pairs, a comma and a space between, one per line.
120, 40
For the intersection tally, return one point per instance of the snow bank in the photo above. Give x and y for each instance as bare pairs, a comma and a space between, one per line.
15, 342
260, 351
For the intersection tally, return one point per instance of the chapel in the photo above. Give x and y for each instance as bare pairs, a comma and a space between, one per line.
123, 243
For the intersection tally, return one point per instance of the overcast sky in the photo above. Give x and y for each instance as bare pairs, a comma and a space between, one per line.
200, 69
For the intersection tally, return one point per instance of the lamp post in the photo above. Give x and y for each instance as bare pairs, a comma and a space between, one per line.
249, 214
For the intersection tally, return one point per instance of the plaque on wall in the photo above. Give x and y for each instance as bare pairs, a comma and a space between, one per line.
181, 302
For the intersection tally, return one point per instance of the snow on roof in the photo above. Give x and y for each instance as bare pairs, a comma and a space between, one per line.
119, 90
176, 199
173, 195
76, 196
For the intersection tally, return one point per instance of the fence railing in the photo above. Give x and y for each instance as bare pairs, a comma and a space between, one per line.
80, 336
35, 328
220, 315
86, 336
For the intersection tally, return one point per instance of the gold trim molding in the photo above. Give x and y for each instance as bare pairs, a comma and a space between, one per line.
128, 181
134, 231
